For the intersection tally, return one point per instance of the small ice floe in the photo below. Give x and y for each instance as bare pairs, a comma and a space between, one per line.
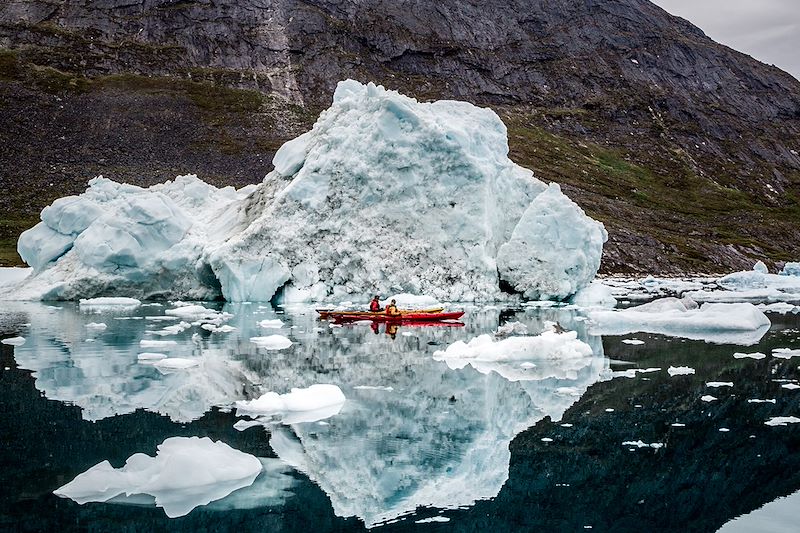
566, 425
609, 410
678, 425
373, 387
192, 312
791, 386
174, 329
781, 308
785, 353
633, 342
632, 372
96, 326
433, 519
708, 398
162, 318
640, 444
755, 400
272, 342
176, 363
527, 364
755, 355
314, 403
271, 324
150, 356
736, 323
680, 371
717, 384
724, 430
225, 328
148, 343
13, 341
241, 425
186, 472
98, 305
782, 420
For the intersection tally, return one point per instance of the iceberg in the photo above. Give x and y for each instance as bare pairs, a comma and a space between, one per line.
384, 195
736, 323
186, 472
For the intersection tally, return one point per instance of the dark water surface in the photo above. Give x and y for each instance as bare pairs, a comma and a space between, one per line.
485, 448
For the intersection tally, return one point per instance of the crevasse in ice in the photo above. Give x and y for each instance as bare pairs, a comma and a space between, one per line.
383, 195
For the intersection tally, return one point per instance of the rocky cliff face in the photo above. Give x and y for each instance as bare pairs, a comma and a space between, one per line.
687, 150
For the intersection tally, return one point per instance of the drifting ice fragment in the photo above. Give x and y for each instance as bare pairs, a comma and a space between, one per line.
186, 472
782, 420
680, 371
271, 342
13, 341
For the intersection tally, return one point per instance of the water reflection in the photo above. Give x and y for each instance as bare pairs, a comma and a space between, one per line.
412, 433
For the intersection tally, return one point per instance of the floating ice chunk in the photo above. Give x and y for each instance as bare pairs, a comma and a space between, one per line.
314, 403
554, 250
96, 326
176, 363
755, 400
147, 343
755, 355
724, 430
680, 371
150, 356
41, 245
373, 387
785, 353
708, 398
13, 341
186, 472
555, 354
433, 519
546, 439
678, 425
192, 312
719, 323
642, 444
241, 425
596, 294
271, 324
272, 342
779, 308
717, 384
634, 342
760, 267
782, 420
791, 386
109, 303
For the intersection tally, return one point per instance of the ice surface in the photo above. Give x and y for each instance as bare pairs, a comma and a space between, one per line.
708, 398
13, 341
271, 324
717, 384
383, 195
633, 342
186, 472
740, 323
790, 269
13, 275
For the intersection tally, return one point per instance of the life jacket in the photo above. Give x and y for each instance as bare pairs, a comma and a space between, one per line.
375, 305
391, 310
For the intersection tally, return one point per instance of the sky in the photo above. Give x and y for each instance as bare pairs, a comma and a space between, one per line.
768, 30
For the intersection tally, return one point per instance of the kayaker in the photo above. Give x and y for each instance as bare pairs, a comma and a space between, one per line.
375, 304
392, 310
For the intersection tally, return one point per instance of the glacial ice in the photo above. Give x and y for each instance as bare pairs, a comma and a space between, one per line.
740, 323
317, 402
383, 195
186, 472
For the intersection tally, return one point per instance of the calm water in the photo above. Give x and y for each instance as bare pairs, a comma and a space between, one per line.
505, 448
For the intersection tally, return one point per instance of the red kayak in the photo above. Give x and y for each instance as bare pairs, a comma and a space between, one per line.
405, 317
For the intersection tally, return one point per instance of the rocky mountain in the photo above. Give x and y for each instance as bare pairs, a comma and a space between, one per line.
684, 148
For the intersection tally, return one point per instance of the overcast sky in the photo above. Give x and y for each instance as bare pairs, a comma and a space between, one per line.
768, 30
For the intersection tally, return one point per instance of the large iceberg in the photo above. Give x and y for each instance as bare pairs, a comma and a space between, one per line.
383, 195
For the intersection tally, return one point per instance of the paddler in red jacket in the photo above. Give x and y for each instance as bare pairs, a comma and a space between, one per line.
375, 305
392, 310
